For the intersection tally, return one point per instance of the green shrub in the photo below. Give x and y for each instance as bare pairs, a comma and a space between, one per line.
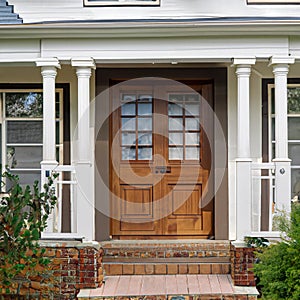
23, 216
278, 267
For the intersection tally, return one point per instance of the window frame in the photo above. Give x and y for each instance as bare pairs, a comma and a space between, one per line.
122, 3
278, 2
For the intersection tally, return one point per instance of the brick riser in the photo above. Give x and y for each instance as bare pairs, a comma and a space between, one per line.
166, 258
165, 269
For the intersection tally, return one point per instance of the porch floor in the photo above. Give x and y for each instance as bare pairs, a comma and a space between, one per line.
169, 286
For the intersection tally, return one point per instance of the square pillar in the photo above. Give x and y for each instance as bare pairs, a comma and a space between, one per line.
85, 206
49, 68
282, 162
243, 160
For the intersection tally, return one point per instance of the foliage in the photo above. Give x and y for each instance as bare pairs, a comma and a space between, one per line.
23, 216
256, 242
278, 268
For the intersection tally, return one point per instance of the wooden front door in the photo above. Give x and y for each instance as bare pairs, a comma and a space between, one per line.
161, 161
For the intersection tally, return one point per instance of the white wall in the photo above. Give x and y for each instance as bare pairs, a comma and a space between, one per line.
41, 10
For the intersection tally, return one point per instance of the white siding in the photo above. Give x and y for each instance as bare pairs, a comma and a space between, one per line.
42, 10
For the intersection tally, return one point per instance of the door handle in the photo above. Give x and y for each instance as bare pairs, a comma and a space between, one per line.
162, 170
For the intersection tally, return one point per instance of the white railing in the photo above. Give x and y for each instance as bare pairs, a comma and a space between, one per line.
65, 190
263, 174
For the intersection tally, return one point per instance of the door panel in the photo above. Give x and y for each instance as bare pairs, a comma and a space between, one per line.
160, 162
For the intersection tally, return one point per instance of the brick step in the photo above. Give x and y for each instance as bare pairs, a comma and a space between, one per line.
114, 269
170, 287
166, 249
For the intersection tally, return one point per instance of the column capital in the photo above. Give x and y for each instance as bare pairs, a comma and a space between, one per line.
51, 62
281, 60
83, 62
243, 61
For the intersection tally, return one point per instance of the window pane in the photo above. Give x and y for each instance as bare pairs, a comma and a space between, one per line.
145, 139
192, 124
192, 98
24, 157
144, 124
176, 153
175, 109
175, 138
144, 153
128, 123
295, 182
175, 124
294, 128
294, 100
128, 109
176, 98
24, 105
145, 98
294, 153
128, 153
24, 132
26, 178
192, 153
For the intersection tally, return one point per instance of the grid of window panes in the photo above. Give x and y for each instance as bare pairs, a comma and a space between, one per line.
293, 134
22, 132
136, 127
184, 126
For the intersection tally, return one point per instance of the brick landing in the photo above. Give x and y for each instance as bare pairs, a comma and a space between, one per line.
170, 287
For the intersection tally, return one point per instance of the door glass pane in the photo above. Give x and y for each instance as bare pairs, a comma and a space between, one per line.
128, 98
128, 153
176, 153
175, 138
128, 109
192, 109
24, 157
128, 139
24, 105
128, 124
294, 153
145, 139
273, 129
144, 109
144, 153
175, 109
294, 100
192, 124
192, 138
145, 98
175, 124
144, 124
192, 153
294, 128
24, 132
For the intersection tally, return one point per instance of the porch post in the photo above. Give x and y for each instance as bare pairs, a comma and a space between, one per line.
85, 209
243, 160
282, 162
48, 70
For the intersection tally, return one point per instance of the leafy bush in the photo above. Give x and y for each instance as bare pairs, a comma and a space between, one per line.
23, 216
278, 268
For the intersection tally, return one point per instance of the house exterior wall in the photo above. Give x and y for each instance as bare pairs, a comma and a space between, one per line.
39, 11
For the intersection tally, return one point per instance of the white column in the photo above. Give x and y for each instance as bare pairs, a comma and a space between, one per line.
48, 70
283, 163
85, 207
243, 160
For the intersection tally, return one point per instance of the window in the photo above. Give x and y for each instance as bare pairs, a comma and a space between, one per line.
120, 2
273, 1
293, 132
21, 121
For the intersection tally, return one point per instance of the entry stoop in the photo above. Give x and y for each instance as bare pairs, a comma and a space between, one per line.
166, 257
